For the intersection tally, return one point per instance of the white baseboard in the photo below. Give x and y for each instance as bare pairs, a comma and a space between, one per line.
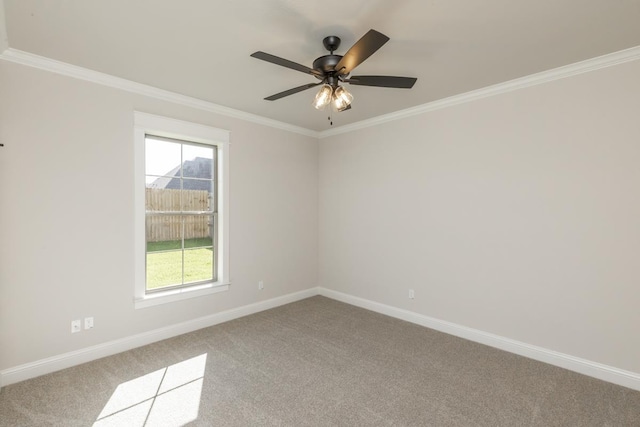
576, 364
73, 358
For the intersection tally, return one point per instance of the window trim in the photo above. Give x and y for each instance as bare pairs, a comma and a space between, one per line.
144, 124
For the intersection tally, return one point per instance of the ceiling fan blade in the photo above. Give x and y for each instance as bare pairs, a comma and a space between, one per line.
285, 63
364, 48
291, 91
383, 81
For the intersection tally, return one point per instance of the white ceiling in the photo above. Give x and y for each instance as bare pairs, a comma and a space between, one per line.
201, 48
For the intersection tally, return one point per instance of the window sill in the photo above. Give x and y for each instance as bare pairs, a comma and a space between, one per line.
180, 294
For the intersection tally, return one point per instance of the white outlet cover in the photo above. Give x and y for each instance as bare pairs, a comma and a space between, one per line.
88, 322
76, 326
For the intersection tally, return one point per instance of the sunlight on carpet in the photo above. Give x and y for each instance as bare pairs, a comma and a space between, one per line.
168, 397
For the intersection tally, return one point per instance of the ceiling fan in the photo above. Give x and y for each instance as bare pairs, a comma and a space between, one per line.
332, 70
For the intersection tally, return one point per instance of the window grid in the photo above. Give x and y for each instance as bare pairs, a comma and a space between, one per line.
211, 212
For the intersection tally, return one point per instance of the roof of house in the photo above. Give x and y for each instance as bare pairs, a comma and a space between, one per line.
196, 174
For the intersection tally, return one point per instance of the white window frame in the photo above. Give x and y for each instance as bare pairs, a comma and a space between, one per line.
149, 124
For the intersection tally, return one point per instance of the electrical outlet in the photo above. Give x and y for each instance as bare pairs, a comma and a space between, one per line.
88, 322
76, 326
411, 294
260, 285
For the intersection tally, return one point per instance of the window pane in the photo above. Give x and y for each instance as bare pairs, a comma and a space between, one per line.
198, 254
164, 251
198, 265
198, 198
196, 184
162, 199
164, 269
162, 182
201, 242
197, 227
197, 161
162, 157
164, 232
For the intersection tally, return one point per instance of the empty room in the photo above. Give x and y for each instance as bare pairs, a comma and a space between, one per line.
292, 213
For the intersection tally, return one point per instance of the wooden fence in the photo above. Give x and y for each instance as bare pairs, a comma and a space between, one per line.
161, 228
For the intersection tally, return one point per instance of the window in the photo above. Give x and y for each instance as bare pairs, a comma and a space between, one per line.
181, 232
181, 213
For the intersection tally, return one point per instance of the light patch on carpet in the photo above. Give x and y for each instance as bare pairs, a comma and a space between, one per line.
168, 397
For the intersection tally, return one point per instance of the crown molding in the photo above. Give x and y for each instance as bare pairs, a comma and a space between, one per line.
43, 63
4, 38
608, 60
58, 67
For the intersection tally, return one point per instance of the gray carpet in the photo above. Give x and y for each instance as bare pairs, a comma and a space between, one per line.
317, 362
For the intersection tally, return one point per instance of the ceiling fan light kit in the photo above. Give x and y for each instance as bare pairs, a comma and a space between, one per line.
332, 70
339, 98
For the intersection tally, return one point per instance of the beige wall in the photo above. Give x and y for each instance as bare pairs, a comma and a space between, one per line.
516, 214
66, 207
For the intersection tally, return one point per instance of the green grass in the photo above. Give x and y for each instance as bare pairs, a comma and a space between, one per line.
176, 244
164, 262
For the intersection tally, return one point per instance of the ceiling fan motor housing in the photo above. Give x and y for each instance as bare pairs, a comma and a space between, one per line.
327, 63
